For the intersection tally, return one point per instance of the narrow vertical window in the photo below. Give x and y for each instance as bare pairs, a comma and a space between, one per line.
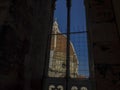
79, 61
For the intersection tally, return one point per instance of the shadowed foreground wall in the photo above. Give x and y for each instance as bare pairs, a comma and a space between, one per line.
24, 28
103, 25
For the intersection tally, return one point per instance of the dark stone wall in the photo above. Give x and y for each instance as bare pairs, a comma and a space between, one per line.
103, 30
24, 29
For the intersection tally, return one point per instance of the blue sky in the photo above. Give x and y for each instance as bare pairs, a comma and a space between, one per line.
78, 24
77, 15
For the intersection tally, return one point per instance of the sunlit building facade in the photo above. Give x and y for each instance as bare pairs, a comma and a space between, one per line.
57, 61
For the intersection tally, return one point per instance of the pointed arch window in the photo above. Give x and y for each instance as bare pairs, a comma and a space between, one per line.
68, 52
78, 53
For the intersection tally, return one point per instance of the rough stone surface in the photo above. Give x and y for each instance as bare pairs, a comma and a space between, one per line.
104, 35
24, 28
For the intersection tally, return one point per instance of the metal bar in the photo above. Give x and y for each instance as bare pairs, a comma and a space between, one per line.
68, 4
71, 33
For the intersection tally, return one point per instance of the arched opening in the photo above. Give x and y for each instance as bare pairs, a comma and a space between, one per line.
68, 48
79, 58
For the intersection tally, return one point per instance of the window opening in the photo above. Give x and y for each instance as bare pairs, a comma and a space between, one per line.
79, 61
